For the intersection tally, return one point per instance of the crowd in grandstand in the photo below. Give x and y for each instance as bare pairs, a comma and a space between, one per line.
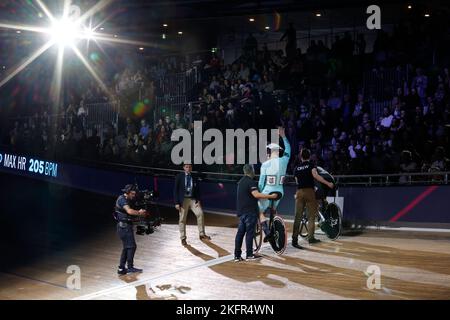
316, 95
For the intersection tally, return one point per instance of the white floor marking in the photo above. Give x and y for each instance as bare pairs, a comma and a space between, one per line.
150, 279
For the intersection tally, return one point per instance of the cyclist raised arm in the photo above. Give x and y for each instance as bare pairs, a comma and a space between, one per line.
287, 146
272, 176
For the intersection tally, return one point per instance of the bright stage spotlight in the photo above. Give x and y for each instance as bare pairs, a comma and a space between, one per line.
88, 34
64, 32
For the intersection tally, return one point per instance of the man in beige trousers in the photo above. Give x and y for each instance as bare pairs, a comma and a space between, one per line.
305, 173
187, 197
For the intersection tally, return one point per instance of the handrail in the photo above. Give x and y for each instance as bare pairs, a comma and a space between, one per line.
379, 175
62, 114
364, 179
240, 175
354, 179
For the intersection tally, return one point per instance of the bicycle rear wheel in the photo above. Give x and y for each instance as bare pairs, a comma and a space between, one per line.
279, 240
332, 225
258, 237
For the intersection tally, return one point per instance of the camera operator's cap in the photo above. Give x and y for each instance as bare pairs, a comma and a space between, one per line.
274, 146
129, 188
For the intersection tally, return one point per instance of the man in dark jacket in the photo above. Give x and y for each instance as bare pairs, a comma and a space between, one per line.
186, 195
247, 211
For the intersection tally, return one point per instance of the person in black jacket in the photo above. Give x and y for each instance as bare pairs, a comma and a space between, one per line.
187, 196
305, 175
124, 216
247, 211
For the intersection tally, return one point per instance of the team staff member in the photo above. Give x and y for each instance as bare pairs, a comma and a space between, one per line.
247, 211
187, 196
125, 229
305, 174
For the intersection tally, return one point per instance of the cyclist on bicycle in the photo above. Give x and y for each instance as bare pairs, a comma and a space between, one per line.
306, 174
322, 190
272, 177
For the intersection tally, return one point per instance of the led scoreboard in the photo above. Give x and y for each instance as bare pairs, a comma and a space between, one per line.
32, 165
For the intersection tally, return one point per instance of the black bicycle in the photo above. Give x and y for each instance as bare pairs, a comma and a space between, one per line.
277, 228
329, 221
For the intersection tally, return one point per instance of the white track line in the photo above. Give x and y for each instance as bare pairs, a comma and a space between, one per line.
222, 213
407, 229
136, 283
364, 227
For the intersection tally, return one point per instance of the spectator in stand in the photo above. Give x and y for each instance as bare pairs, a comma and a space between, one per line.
179, 122
131, 127
244, 72
335, 139
420, 83
334, 102
359, 109
268, 86
407, 165
145, 129
438, 161
291, 43
386, 119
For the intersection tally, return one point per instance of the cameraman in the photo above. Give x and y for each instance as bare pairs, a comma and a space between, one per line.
124, 215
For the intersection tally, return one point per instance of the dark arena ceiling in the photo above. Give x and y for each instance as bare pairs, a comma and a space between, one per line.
203, 21
145, 16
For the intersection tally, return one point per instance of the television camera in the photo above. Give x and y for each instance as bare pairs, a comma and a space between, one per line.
146, 199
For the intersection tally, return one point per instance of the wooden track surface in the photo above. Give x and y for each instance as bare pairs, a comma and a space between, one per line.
413, 266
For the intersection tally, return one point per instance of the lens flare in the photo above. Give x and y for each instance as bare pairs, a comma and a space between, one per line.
141, 108
65, 32
94, 56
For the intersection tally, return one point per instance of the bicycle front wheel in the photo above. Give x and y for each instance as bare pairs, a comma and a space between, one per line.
332, 226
